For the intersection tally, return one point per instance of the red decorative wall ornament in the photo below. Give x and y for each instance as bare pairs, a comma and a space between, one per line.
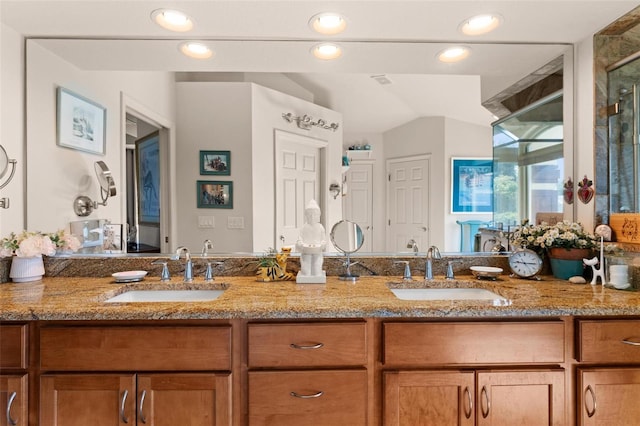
586, 191
568, 191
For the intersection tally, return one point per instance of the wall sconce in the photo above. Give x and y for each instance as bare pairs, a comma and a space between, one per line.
4, 167
334, 189
83, 205
306, 122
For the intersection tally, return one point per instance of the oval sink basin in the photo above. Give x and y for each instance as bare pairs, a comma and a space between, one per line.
166, 296
449, 294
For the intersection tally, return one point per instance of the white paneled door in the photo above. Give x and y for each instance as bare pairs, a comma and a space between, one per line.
298, 176
358, 201
407, 204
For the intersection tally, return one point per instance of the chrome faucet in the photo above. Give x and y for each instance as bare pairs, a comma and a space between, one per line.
449, 274
208, 273
432, 253
164, 275
188, 268
407, 270
413, 245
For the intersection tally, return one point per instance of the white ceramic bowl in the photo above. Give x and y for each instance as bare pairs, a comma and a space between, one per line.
485, 271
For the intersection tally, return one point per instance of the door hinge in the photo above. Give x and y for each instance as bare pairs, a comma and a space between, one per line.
613, 109
389, 222
389, 176
166, 239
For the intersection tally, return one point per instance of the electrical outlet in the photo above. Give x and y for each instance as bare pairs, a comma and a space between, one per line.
206, 222
235, 222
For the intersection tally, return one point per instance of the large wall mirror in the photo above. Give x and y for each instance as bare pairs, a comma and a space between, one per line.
163, 90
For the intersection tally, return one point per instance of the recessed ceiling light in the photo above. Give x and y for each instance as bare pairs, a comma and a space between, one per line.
172, 20
326, 51
454, 54
196, 49
480, 24
328, 23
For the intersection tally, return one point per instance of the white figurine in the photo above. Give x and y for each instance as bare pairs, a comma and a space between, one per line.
597, 271
311, 244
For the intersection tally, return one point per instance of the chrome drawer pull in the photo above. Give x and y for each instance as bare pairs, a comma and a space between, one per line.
316, 346
143, 419
627, 341
313, 395
122, 403
467, 414
484, 393
593, 396
10, 420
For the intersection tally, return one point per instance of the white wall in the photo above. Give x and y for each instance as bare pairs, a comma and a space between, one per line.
11, 126
56, 175
268, 106
441, 138
584, 152
213, 117
241, 118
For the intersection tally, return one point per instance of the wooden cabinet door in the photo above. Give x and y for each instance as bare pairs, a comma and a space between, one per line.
608, 396
13, 400
85, 399
414, 398
523, 398
184, 399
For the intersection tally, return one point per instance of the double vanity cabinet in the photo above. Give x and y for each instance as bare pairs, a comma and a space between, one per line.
375, 371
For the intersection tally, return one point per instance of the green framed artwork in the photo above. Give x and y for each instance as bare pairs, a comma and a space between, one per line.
215, 194
215, 163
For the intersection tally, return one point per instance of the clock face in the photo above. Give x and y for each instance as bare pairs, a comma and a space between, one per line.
525, 263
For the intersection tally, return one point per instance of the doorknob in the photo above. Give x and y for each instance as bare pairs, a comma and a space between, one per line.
423, 228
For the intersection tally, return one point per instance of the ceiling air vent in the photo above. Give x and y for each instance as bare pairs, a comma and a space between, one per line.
381, 79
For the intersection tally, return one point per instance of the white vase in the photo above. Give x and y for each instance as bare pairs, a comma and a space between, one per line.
26, 269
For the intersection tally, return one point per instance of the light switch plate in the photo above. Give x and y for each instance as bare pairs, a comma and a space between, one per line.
206, 222
235, 222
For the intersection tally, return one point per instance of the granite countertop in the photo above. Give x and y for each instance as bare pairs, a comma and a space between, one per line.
82, 298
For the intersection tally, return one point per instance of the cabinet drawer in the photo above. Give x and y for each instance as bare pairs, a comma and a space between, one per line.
474, 343
307, 344
308, 398
608, 341
140, 348
13, 346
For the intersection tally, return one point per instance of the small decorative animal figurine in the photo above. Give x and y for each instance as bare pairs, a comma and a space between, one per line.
599, 270
271, 269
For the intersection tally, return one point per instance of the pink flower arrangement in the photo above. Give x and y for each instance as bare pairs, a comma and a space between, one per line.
31, 244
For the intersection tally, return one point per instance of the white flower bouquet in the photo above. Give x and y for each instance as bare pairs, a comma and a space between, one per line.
32, 244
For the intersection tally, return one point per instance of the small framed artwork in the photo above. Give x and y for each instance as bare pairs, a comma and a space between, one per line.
471, 185
215, 194
81, 123
215, 163
148, 179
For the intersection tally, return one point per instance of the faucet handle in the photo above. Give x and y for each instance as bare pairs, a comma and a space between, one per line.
164, 275
407, 270
208, 273
449, 275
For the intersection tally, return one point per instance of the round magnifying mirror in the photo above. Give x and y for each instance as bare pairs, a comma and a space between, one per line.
107, 185
347, 236
4, 162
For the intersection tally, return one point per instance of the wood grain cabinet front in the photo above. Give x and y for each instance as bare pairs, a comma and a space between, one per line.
608, 377
455, 343
483, 397
13, 346
608, 341
13, 400
307, 345
313, 398
307, 373
163, 399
